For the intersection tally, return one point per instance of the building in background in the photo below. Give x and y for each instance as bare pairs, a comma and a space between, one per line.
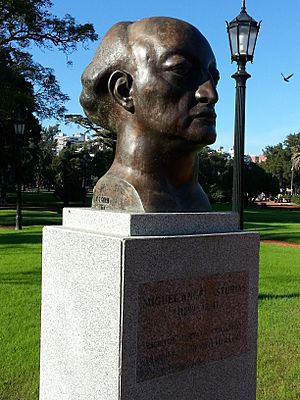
258, 159
62, 140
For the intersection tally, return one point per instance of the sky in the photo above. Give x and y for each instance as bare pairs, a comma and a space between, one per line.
272, 105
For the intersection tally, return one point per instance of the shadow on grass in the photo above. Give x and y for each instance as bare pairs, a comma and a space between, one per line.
265, 296
30, 217
265, 228
290, 237
41, 220
21, 278
254, 214
21, 238
286, 232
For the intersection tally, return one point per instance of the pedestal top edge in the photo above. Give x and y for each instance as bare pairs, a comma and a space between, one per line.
123, 214
149, 224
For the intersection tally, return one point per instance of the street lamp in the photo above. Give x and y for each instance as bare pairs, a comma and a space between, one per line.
19, 126
242, 33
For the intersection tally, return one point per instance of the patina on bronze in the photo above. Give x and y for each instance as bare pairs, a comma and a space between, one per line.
153, 82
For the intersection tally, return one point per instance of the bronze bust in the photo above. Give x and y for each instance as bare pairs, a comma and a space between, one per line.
153, 82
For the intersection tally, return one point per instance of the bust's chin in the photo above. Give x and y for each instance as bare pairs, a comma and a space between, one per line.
202, 138
210, 137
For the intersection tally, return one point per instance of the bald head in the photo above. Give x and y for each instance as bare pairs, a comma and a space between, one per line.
126, 46
162, 29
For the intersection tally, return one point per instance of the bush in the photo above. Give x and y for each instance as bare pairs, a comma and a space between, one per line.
296, 199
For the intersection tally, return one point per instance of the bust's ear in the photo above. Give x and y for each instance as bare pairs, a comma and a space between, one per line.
119, 86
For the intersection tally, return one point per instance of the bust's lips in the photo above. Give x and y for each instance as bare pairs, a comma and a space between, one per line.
205, 114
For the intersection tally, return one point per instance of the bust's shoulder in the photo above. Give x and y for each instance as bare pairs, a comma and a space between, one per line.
114, 193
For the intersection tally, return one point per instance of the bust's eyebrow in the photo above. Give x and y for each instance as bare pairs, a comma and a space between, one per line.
215, 73
195, 59
179, 52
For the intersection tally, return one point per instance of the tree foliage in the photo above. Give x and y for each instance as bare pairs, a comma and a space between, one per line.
68, 176
278, 163
215, 174
16, 93
101, 163
26, 85
258, 181
296, 160
27, 22
281, 158
71, 171
44, 172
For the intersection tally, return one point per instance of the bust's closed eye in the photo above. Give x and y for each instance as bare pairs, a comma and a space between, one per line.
181, 69
214, 72
178, 65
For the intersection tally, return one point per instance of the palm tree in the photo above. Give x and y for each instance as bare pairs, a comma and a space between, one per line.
296, 160
295, 164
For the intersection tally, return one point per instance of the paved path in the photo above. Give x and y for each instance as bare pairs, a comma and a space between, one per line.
277, 206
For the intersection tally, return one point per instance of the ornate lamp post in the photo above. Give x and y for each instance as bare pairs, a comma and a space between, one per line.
19, 126
242, 32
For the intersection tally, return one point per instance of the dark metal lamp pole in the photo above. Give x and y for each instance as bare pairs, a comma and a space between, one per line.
242, 32
19, 126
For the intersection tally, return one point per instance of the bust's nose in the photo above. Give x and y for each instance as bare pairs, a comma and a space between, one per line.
207, 93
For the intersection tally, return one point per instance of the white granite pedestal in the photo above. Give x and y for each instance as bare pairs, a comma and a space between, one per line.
148, 307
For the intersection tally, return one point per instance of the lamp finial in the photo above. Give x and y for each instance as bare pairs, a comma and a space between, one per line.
243, 5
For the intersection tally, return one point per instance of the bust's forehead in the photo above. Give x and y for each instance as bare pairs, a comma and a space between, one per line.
160, 35
169, 31
159, 25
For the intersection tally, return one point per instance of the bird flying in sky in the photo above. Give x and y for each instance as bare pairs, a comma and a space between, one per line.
286, 78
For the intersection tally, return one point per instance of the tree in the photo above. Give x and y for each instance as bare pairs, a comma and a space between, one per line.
292, 141
215, 174
283, 161
102, 145
44, 171
278, 163
296, 159
26, 85
216, 171
27, 22
101, 163
16, 94
68, 176
295, 168
257, 180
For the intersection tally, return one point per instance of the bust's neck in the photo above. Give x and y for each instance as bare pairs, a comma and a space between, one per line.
167, 162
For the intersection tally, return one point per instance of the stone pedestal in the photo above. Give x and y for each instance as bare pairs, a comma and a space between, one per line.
148, 307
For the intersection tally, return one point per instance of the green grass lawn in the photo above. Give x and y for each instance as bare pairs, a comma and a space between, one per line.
31, 198
20, 287
45, 199
272, 224
279, 305
279, 324
29, 217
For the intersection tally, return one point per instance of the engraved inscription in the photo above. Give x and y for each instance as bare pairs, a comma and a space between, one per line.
101, 201
187, 322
